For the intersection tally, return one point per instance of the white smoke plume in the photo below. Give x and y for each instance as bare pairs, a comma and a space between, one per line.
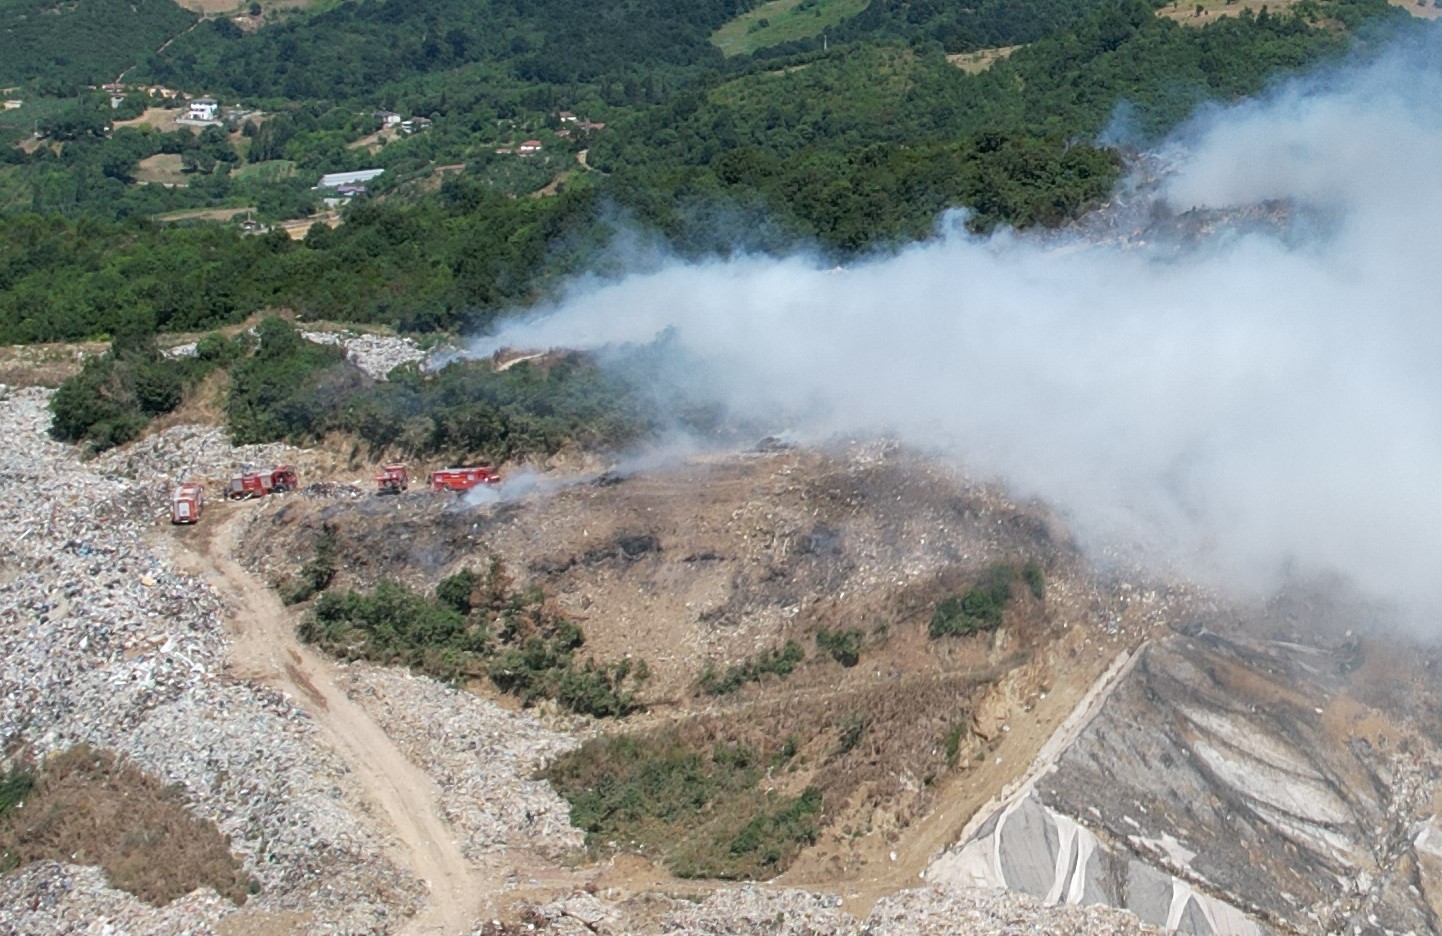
1258, 404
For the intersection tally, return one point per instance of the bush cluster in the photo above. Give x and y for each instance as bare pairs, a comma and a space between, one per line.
980, 607
698, 802
776, 661
475, 626
116, 394
844, 646
285, 389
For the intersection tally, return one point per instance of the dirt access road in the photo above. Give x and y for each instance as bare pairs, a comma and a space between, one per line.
265, 648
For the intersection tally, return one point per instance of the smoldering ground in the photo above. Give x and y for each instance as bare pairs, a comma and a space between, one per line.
1255, 406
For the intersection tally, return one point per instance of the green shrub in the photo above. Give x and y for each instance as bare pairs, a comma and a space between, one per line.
852, 728
15, 784
1035, 580
788, 750
952, 741
978, 608
779, 662
843, 645
215, 348
317, 573
455, 591
699, 804
527, 651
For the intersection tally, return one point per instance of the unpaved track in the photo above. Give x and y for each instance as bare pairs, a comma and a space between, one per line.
266, 649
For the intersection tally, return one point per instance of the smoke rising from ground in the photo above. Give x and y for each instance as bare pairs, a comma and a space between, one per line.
1253, 406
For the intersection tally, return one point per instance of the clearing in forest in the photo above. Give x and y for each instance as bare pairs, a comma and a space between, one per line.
1194, 13
980, 60
203, 214
782, 21
161, 169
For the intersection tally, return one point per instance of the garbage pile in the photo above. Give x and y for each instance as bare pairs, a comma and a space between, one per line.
103, 641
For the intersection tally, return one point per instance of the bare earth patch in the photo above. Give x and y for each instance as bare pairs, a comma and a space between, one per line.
161, 118
203, 214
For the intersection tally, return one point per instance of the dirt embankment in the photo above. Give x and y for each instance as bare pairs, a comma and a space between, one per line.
718, 558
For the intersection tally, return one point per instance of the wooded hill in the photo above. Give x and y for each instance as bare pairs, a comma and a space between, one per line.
846, 150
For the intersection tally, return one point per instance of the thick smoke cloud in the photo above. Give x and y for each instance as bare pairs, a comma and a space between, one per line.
1258, 405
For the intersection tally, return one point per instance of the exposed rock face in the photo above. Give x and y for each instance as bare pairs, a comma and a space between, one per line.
1032, 849
1231, 774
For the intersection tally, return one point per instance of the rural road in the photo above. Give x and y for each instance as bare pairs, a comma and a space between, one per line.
265, 648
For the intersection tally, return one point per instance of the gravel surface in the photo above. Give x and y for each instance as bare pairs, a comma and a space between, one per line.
53, 898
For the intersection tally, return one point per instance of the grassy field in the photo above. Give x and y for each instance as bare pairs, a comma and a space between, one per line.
161, 169
91, 807
782, 21
203, 214
268, 171
1192, 13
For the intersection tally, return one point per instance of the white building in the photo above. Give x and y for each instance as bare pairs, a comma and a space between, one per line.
203, 109
337, 179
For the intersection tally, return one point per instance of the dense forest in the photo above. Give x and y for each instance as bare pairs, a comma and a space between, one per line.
849, 145
63, 45
356, 51
849, 150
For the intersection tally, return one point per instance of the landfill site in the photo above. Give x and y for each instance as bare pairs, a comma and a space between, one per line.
1124, 753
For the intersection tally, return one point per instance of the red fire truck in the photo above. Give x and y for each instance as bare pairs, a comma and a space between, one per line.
187, 504
393, 479
463, 479
260, 483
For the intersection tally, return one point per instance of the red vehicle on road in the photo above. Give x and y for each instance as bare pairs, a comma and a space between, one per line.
260, 483
463, 479
187, 504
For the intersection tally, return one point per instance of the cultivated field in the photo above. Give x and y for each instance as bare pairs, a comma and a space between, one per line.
161, 118
203, 214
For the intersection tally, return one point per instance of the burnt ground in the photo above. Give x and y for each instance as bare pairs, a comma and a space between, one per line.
720, 557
